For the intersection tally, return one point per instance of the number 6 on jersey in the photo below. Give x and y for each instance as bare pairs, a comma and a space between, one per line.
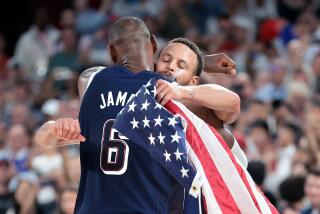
114, 151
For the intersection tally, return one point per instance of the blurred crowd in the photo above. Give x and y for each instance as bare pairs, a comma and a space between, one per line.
276, 44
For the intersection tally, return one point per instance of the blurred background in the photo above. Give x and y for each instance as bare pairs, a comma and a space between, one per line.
45, 45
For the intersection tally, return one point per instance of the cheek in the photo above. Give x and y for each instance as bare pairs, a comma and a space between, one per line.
160, 67
183, 77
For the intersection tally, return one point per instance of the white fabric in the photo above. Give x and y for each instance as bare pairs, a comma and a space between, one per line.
239, 154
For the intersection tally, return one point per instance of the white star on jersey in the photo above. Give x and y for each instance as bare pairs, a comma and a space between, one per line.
132, 106
184, 172
172, 121
134, 123
175, 137
145, 105
158, 105
158, 121
167, 155
161, 138
178, 154
145, 122
151, 139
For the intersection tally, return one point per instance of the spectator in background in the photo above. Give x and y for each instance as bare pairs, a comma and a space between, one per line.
7, 203
174, 21
63, 66
93, 48
275, 89
40, 40
281, 111
313, 128
67, 200
2, 134
89, 20
280, 166
257, 170
312, 191
67, 19
316, 73
298, 95
68, 56
25, 196
292, 191
259, 141
17, 147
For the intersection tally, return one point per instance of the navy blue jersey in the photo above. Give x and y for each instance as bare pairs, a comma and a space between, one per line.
118, 176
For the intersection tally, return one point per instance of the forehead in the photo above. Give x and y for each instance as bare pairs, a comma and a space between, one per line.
179, 51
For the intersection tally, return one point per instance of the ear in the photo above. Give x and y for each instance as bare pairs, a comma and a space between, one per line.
113, 53
154, 43
194, 80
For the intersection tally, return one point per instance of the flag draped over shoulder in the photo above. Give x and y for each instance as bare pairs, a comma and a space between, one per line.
192, 152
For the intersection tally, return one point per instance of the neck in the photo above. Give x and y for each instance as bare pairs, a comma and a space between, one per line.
136, 63
137, 60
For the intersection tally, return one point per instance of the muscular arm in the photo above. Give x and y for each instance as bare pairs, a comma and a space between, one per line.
61, 132
65, 131
223, 102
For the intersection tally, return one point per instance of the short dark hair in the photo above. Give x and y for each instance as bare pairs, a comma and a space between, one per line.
193, 47
292, 188
260, 124
257, 170
128, 29
295, 129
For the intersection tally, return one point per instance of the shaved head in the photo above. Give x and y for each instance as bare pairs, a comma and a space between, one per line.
128, 30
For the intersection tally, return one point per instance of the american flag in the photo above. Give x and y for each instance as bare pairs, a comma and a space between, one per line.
225, 185
148, 124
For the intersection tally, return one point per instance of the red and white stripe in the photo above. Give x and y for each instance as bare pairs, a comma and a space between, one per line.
227, 187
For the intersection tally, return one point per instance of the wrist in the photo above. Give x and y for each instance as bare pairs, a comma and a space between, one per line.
189, 93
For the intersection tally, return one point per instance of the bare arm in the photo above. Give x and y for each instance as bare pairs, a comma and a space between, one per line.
65, 131
224, 103
61, 132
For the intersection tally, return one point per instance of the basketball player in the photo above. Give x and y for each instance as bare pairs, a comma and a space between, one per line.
131, 182
179, 59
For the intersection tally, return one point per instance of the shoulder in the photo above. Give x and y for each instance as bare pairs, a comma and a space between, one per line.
85, 79
88, 72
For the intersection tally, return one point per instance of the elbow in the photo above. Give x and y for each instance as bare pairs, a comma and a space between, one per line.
234, 111
236, 107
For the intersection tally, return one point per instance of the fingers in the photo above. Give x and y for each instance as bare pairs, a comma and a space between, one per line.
78, 136
228, 70
68, 129
161, 89
227, 61
65, 128
219, 63
229, 66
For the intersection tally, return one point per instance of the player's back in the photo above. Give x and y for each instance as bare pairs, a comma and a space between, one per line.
117, 176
